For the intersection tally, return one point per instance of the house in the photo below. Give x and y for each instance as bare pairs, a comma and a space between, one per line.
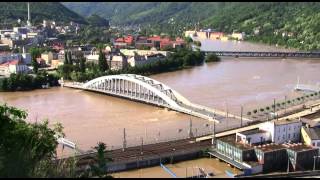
238, 36
216, 35
189, 33
117, 62
55, 63
144, 43
15, 66
311, 136
202, 34
136, 60
49, 56
283, 131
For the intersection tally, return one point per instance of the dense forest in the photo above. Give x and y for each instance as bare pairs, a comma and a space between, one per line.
291, 24
12, 11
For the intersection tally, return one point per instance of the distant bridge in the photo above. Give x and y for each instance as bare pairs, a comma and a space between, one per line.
266, 54
150, 91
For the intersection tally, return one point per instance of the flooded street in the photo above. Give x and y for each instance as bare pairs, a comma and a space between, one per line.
182, 170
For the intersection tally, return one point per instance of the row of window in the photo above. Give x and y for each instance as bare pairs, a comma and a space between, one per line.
314, 144
289, 136
284, 128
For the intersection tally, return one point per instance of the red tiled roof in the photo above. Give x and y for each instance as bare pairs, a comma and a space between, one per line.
120, 40
14, 62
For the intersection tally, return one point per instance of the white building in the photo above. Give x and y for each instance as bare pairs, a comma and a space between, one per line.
253, 136
138, 60
283, 131
131, 52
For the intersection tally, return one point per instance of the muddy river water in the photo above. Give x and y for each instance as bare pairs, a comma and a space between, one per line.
89, 117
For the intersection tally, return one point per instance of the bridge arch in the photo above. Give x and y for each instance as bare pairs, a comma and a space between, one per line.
137, 87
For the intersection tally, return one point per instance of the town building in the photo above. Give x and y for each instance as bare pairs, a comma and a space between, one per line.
311, 136
131, 52
255, 136
283, 131
8, 57
189, 33
139, 60
216, 35
238, 36
15, 66
117, 62
49, 56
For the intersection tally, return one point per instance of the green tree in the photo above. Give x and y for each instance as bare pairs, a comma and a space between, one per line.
212, 58
24, 147
70, 60
66, 58
103, 66
83, 64
35, 65
99, 168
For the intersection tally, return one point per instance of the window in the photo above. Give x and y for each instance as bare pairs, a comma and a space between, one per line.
318, 144
294, 135
289, 136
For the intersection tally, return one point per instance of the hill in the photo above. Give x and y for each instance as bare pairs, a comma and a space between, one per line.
12, 11
262, 21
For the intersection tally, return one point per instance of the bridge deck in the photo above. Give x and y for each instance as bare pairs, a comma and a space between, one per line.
266, 54
191, 109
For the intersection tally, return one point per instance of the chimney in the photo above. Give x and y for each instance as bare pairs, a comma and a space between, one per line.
29, 18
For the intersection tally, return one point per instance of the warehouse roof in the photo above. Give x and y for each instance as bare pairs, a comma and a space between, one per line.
269, 147
253, 131
232, 141
297, 147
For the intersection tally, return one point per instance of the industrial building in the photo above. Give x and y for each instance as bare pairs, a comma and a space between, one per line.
273, 157
301, 156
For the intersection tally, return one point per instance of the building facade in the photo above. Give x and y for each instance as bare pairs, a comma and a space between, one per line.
283, 131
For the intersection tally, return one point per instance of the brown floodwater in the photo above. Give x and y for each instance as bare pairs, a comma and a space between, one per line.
182, 170
90, 117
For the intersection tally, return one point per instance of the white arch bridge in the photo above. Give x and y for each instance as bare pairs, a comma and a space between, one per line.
147, 90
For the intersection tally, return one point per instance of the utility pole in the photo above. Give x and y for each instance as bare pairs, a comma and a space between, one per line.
124, 139
213, 132
288, 168
190, 129
241, 116
274, 107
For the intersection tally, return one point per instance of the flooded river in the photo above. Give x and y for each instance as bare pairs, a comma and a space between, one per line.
89, 117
